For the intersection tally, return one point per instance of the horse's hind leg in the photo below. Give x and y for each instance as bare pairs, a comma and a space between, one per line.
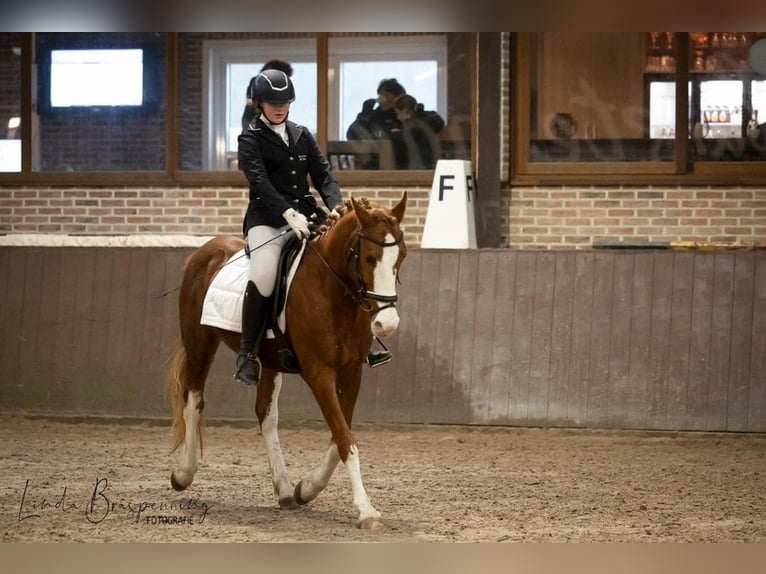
183, 476
267, 411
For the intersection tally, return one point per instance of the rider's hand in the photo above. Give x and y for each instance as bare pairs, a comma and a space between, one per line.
334, 215
298, 222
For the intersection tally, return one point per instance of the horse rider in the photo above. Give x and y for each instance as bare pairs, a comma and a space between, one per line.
276, 156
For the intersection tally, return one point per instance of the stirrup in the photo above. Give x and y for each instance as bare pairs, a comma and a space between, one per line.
250, 378
378, 358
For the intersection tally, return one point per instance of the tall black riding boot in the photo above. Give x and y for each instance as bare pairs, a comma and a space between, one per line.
254, 313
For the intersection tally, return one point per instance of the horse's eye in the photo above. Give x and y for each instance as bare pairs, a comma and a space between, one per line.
370, 259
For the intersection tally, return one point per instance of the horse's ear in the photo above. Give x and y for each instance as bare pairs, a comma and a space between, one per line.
361, 213
399, 208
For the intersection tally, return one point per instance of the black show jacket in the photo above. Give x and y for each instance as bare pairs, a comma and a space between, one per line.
278, 174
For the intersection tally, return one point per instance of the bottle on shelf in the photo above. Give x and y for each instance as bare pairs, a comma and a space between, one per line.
752, 122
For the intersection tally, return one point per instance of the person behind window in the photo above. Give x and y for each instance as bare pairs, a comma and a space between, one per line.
376, 122
248, 115
416, 144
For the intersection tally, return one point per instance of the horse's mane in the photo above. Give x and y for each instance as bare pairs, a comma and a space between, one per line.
377, 211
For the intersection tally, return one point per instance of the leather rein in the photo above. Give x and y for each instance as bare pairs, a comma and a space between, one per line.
363, 296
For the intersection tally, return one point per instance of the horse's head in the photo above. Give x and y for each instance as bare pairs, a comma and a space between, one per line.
378, 250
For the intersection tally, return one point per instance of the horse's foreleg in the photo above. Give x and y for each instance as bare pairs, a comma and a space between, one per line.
182, 477
267, 411
369, 517
337, 402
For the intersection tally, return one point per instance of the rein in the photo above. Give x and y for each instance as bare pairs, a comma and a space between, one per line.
362, 295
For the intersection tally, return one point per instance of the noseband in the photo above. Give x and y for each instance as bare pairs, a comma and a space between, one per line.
362, 293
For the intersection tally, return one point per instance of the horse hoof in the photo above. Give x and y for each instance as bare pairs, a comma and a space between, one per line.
370, 523
297, 494
177, 486
288, 503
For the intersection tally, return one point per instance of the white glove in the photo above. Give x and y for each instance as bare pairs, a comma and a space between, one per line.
298, 222
334, 215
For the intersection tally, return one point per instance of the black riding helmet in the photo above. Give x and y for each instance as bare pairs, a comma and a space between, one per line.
272, 86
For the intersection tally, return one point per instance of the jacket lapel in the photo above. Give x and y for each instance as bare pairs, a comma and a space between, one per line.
294, 132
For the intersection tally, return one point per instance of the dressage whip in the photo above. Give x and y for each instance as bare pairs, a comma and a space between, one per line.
246, 252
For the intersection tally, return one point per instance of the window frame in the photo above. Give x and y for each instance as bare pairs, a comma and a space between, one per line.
172, 175
216, 57
348, 49
679, 171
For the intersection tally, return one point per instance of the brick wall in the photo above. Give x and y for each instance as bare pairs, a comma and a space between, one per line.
532, 218
172, 211
570, 217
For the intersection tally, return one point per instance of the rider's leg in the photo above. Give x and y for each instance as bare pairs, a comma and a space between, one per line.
256, 304
254, 313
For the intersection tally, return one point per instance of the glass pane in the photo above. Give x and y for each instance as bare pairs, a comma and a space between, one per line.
721, 108
398, 101
602, 97
10, 106
303, 110
758, 100
727, 96
214, 73
97, 78
101, 102
360, 79
662, 109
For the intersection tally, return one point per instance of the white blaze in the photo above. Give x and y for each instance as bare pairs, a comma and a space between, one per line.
384, 283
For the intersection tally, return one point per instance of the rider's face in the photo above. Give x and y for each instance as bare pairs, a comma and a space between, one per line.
275, 113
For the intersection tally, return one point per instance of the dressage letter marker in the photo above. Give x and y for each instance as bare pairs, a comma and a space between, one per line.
450, 220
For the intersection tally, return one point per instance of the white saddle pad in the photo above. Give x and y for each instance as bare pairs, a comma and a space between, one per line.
222, 307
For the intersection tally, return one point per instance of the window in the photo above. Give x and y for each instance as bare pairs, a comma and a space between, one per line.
100, 102
607, 103
97, 78
725, 98
229, 65
418, 64
428, 67
578, 112
10, 98
190, 87
356, 66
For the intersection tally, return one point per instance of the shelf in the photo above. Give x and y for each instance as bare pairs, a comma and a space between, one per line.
709, 52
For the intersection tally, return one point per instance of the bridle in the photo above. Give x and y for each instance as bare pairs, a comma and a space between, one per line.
361, 295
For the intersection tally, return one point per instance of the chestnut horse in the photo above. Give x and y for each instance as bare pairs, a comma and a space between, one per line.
343, 293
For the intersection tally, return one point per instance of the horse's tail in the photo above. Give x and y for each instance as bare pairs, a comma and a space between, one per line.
177, 392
